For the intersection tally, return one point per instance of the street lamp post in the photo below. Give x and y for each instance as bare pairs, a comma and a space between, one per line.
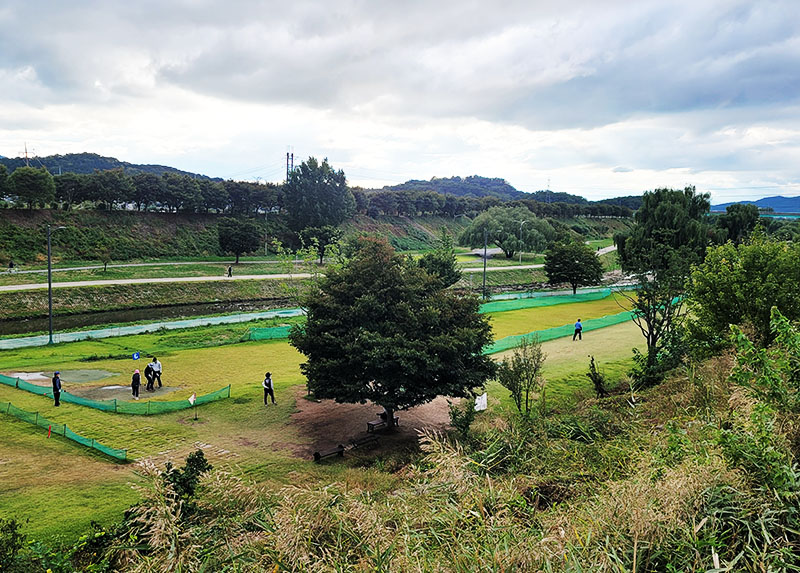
50, 285
485, 240
485, 243
520, 239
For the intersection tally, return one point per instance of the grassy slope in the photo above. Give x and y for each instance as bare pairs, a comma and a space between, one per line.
236, 431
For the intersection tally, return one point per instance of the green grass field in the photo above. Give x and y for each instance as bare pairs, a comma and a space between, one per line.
61, 486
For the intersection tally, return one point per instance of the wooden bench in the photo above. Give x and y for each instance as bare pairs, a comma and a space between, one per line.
337, 451
364, 440
380, 423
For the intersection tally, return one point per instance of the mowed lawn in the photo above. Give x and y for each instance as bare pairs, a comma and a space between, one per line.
531, 319
60, 486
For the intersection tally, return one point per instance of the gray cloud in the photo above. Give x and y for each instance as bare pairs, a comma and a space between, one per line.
622, 86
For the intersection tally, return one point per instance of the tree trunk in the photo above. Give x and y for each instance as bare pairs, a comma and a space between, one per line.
388, 411
574, 288
237, 259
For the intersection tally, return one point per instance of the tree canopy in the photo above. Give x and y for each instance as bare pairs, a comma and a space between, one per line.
739, 284
316, 195
574, 263
238, 236
510, 228
32, 186
738, 221
441, 262
670, 233
381, 328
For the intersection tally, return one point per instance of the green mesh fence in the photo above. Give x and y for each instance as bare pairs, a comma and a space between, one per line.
533, 300
510, 342
119, 406
60, 430
271, 333
514, 301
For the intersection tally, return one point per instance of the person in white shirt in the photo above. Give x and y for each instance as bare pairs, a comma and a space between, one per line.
156, 366
268, 388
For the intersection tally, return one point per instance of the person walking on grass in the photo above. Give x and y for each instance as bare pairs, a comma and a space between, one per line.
135, 383
56, 388
156, 366
578, 330
269, 389
230, 270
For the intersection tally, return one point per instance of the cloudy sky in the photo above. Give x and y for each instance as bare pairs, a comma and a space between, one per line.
599, 98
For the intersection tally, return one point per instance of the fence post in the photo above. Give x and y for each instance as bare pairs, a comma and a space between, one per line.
16, 384
65, 431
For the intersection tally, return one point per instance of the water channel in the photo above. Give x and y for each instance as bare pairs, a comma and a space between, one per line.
40, 324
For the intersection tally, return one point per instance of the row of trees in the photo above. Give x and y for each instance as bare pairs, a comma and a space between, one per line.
413, 203
117, 188
114, 189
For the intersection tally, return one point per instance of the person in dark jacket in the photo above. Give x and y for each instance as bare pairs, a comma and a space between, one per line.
57, 388
149, 376
135, 383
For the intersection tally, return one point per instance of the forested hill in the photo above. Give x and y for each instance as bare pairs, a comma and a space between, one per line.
778, 204
88, 163
476, 186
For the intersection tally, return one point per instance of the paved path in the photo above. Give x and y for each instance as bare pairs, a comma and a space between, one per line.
8, 288
161, 264
157, 280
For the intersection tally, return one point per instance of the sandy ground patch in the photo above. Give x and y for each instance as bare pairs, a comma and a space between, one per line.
67, 376
327, 423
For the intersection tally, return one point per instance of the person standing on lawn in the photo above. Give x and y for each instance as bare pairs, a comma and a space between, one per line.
156, 365
149, 376
269, 389
56, 388
578, 330
136, 381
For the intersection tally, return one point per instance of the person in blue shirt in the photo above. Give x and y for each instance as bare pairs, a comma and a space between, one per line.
578, 330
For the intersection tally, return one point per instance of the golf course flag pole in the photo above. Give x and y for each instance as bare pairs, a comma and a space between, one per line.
192, 401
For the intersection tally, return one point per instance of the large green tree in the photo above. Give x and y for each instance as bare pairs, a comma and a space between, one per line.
739, 284
317, 195
32, 186
69, 189
738, 221
670, 233
513, 229
381, 328
238, 236
574, 263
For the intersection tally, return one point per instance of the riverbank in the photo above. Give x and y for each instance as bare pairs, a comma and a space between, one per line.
88, 299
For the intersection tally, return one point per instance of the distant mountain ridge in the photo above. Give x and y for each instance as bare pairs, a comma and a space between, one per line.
779, 204
477, 186
89, 162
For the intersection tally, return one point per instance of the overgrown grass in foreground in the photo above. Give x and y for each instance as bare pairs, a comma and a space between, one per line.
689, 476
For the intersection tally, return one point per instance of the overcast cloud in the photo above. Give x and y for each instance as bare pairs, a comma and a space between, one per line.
600, 98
